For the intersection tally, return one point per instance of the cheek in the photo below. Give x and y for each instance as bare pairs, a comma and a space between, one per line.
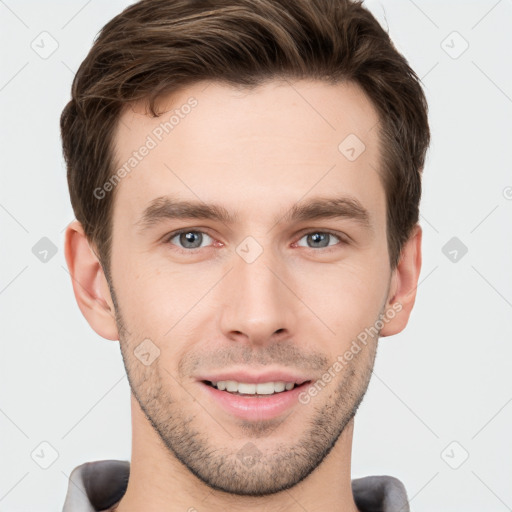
158, 302
346, 298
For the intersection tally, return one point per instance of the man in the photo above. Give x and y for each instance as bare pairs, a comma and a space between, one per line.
246, 179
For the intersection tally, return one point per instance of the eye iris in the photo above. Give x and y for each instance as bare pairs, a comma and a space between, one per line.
319, 237
191, 237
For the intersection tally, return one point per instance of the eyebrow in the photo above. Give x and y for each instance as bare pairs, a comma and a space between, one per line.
168, 208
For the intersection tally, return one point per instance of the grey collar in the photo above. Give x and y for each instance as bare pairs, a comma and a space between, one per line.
97, 486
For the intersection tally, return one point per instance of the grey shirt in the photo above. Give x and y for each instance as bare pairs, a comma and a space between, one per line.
98, 486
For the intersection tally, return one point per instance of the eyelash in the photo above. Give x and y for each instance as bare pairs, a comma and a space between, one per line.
339, 236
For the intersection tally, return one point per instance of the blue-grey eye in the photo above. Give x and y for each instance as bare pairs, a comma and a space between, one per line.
190, 239
319, 239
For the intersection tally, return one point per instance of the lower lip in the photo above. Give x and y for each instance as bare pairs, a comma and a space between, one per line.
255, 408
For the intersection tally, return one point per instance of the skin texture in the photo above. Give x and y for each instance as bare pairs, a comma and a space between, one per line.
298, 306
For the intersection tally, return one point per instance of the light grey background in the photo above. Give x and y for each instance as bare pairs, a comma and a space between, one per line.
442, 389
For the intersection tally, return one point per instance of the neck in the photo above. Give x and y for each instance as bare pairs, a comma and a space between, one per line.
160, 482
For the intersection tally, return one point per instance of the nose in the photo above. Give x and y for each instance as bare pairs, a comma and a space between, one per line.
260, 306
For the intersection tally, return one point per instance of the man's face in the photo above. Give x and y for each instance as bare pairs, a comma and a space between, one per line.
263, 292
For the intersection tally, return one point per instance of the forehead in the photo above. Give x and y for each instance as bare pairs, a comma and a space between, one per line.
221, 143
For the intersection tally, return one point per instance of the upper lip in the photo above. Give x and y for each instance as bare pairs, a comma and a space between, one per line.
256, 378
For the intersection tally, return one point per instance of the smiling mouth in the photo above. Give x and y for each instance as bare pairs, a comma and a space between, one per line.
254, 390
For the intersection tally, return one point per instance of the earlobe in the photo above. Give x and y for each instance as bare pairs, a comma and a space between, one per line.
404, 282
89, 283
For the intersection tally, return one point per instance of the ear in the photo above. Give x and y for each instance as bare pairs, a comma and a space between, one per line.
89, 283
404, 282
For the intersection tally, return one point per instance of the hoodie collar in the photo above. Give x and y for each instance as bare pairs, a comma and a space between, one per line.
97, 486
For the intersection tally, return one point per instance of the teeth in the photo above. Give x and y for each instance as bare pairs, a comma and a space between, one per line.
281, 386
231, 386
246, 389
263, 388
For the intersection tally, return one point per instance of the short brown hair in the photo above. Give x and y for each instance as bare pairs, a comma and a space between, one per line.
155, 47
